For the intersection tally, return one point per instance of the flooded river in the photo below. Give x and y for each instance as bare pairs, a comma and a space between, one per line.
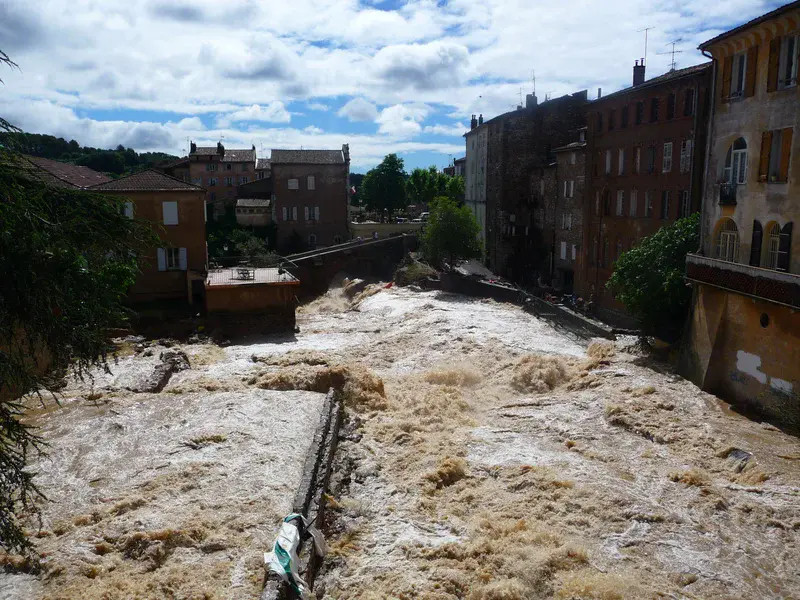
486, 455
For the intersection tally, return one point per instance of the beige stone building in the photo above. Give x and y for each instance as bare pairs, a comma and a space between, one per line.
744, 342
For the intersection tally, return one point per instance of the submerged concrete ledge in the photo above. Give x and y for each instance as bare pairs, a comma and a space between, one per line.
308, 499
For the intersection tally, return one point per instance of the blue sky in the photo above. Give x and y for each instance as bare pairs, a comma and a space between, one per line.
384, 76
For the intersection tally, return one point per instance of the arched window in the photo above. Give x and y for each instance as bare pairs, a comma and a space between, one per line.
736, 163
727, 242
755, 245
773, 241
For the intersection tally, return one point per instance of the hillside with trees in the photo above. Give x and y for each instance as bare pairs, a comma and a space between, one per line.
118, 161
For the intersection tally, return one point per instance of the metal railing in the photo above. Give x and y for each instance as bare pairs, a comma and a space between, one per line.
727, 194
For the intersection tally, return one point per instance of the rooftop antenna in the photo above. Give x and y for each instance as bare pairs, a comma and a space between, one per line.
673, 52
646, 29
533, 80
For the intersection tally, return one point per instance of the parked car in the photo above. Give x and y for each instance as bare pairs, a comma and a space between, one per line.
401, 220
424, 216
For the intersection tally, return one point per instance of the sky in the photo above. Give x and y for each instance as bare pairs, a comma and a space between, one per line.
384, 76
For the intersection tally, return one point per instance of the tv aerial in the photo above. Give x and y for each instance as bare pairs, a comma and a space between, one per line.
672, 52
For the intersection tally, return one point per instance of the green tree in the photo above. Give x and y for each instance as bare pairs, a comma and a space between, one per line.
423, 185
455, 188
67, 258
384, 186
451, 234
649, 279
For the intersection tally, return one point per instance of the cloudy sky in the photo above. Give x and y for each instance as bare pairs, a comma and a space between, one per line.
382, 75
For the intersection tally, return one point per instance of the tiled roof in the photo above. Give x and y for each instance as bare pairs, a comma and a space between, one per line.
307, 157
668, 76
231, 155
752, 23
262, 163
251, 202
147, 181
62, 174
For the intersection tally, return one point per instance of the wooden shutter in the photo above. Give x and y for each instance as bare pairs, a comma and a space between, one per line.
763, 161
785, 248
755, 246
774, 61
182, 258
750, 76
786, 150
162, 259
727, 75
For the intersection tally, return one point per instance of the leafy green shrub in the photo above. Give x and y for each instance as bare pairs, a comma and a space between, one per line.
451, 234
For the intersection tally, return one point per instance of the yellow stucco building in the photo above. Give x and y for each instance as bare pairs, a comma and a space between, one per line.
744, 339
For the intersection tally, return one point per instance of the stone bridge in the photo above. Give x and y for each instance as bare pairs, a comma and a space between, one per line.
366, 258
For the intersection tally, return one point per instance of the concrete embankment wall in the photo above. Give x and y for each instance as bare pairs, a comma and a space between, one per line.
365, 230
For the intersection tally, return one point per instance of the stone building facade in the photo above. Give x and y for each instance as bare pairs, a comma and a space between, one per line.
220, 170
310, 197
567, 249
744, 340
645, 163
475, 173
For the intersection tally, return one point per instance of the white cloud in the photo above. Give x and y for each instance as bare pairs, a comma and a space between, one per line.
312, 129
456, 129
433, 66
274, 112
402, 120
318, 106
359, 109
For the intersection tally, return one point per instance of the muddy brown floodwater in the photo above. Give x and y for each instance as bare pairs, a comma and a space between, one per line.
485, 455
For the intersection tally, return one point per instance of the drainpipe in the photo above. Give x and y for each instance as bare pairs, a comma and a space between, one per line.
712, 100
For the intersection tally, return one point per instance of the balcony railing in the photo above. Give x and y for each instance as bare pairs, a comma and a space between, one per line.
727, 194
764, 284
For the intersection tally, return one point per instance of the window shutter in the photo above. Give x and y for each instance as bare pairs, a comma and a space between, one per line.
305, 212
774, 61
786, 150
755, 246
763, 161
182, 258
750, 76
162, 259
169, 211
727, 75
785, 248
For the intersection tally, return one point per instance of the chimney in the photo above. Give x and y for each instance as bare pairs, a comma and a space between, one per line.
220, 149
531, 101
346, 153
638, 73
480, 119
599, 93
192, 148
254, 147
473, 123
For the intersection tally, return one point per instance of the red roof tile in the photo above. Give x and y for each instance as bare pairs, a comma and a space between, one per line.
147, 181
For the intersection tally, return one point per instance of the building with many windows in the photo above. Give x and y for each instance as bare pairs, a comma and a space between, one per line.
744, 342
310, 197
645, 165
220, 170
570, 194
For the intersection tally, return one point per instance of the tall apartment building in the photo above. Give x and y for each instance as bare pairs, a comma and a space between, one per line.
744, 341
310, 194
220, 170
475, 173
645, 164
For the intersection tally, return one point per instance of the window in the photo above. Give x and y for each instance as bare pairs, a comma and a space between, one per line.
566, 221
213, 196
648, 204
612, 117
294, 213
624, 116
787, 63
310, 182
306, 214
654, 110
688, 103
686, 156
573, 158
197, 180
607, 204
312, 240
229, 181
622, 161
211, 167
651, 159
563, 250
171, 259
686, 204
637, 160
243, 179
671, 106
727, 242
620, 203
260, 175
127, 210
608, 162
228, 167
337, 239
633, 205
639, 112
665, 198
738, 75
316, 213
293, 184
773, 243
666, 165
569, 188
736, 163
169, 211
776, 147
755, 244
244, 167
285, 213
574, 251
